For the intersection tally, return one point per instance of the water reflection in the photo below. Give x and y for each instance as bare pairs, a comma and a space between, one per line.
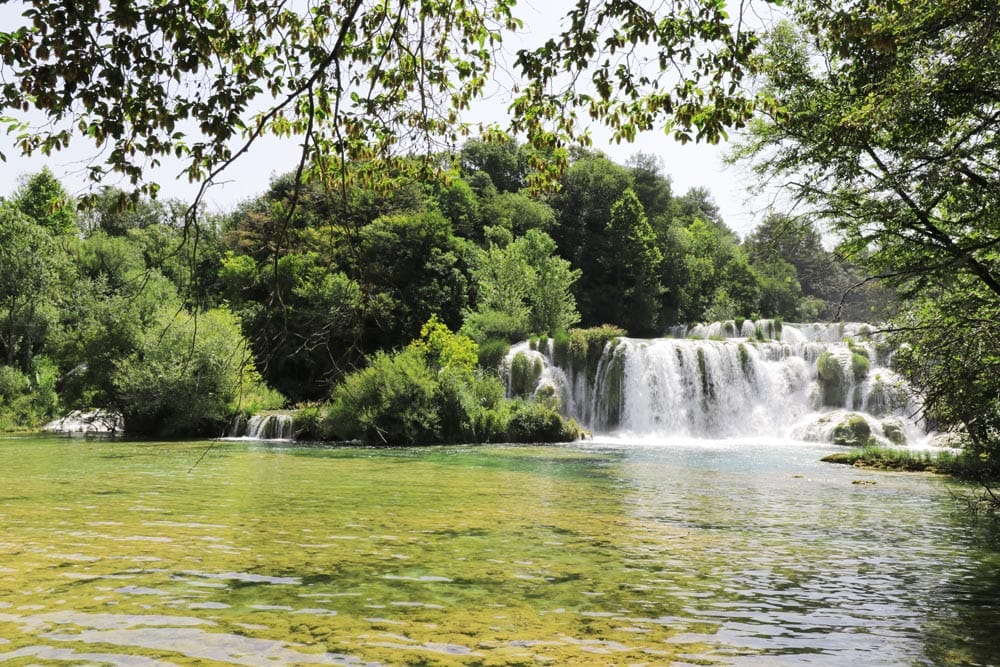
608, 553
810, 567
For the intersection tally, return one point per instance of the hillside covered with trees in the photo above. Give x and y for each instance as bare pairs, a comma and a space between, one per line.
295, 299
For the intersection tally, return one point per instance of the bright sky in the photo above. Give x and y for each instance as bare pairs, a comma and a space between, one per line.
691, 165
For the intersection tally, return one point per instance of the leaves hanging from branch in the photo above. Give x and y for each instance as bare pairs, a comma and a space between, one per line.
357, 81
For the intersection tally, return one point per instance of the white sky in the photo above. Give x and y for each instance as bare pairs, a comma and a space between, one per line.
691, 165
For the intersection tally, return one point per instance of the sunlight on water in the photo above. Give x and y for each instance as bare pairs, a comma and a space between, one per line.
601, 553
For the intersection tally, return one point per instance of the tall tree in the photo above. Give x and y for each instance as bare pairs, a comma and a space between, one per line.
502, 161
43, 199
28, 264
888, 130
816, 273
892, 136
523, 288
590, 187
634, 261
652, 187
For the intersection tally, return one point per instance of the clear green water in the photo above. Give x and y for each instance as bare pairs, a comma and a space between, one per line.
115, 553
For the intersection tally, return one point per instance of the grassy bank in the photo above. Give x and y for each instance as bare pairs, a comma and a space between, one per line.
958, 465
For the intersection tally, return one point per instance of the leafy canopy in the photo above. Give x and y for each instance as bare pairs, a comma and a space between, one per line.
357, 81
888, 131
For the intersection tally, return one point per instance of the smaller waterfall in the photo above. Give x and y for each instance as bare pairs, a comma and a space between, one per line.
263, 426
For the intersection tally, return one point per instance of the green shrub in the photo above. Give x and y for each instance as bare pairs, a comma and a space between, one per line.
28, 400
13, 383
255, 396
313, 423
561, 348
393, 402
906, 460
412, 398
524, 374
187, 375
444, 349
859, 366
493, 324
586, 347
492, 353
534, 422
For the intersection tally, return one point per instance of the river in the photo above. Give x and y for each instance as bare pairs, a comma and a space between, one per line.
688, 552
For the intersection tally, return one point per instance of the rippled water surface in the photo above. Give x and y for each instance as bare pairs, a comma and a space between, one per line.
117, 553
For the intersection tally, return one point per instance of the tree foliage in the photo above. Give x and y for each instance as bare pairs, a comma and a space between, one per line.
28, 266
356, 81
43, 199
636, 268
523, 287
186, 375
888, 131
429, 392
891, 141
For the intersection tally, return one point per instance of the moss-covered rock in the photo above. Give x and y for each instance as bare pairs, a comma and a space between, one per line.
853, 431
894, 431
614, 386
745, 362
832, 380
586, 347
707, 386
859, 366
524, 374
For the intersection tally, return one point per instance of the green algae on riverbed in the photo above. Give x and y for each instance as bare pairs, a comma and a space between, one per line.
114, 553
300, 556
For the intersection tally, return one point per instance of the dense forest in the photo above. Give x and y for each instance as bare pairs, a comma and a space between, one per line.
298, 297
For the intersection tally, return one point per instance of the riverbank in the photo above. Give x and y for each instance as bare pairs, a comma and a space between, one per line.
941, 462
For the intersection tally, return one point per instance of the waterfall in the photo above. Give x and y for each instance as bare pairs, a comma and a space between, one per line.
263, 426
823, 382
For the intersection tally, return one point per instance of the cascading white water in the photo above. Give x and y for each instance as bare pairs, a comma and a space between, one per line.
264, 426
728, 379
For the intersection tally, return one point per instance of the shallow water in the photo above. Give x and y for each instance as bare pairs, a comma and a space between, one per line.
117, 553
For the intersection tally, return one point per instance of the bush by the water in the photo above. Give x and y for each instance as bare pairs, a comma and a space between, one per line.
431, 392
28, 399
188, 376
536, 422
